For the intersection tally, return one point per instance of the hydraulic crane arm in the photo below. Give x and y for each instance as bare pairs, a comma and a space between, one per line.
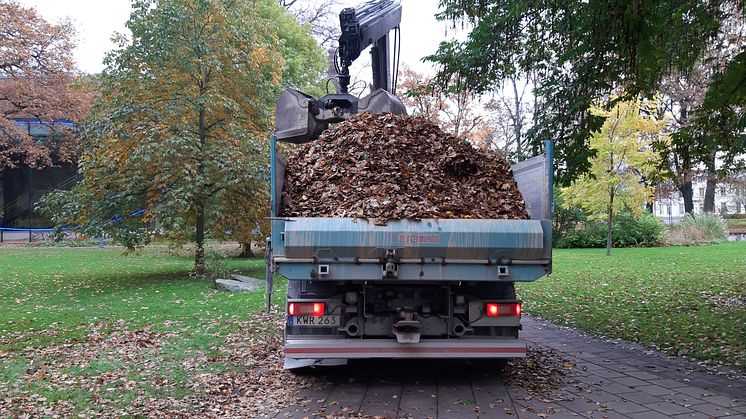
368, 24
300, 118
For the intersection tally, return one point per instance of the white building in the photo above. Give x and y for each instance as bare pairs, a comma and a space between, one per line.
728, 200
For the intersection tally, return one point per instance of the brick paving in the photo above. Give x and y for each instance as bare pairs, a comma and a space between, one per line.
608, 379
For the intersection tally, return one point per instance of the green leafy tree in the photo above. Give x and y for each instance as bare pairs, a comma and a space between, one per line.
623, 153
578, 50
181, 128
705, 105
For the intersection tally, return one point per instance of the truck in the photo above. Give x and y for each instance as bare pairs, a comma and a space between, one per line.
426, 288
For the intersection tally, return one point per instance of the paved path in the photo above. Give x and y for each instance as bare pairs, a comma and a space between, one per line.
607, 379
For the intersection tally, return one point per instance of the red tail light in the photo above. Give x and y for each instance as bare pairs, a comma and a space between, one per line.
306, 309
503, 310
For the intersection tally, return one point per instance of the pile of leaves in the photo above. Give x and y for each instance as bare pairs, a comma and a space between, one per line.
541, 373
389, 166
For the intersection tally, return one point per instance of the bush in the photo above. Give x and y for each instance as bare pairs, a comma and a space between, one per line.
627, 231
643, 231
734, 216
591, 234
735, 223
566, 219
701, 229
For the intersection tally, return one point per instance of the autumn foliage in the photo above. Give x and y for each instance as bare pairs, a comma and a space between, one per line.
37, 80
624, 160
181, 129
456, 110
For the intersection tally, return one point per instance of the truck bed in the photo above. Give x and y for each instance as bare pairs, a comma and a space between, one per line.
341, 249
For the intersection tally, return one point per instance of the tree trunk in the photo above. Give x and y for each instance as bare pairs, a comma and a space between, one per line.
609, 223
687, 192
685, 169
246, 251
199, 253
331, 73
709, 204
2, 200
712, 183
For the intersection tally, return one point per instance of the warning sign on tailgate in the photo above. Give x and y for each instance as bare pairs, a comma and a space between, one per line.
412, 238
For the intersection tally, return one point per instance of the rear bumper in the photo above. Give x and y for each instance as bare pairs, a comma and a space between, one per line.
389, 348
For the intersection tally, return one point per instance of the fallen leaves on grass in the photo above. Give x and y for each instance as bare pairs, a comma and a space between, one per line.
252, 383
687, 302
725, 301
264, 387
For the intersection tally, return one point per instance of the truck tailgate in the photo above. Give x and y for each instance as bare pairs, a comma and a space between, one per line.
428, 249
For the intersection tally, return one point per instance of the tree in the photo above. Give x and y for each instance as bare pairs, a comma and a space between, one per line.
454, 109
318, 14
509, 114
705, 132
684, 92
181, 128
584, 50
37, 80
737, 188
623, 153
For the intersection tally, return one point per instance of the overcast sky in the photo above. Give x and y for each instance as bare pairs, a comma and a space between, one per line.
97, 20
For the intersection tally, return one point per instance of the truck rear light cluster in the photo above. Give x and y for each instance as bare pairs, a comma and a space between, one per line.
306, 309
503, 309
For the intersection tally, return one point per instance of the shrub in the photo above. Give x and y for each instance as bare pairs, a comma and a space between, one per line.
566, 219
701, 229
736, 222
628, 230
217, 266
591, 234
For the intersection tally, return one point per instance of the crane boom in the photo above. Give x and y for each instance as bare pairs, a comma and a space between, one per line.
300, 118
368, 24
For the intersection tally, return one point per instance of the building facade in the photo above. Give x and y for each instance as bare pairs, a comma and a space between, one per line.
729, 199
23, 186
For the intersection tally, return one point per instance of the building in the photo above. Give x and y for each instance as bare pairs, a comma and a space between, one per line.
21, 187
729, 199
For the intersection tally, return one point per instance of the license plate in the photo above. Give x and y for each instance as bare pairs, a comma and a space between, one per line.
313, 321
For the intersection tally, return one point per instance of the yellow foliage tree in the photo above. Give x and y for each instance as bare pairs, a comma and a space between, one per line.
624, 157
181, 129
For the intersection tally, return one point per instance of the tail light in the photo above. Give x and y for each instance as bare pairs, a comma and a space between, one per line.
503, 310
306, 309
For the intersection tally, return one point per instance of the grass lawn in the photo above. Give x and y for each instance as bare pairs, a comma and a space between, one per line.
687, 301
87, 330
129, 326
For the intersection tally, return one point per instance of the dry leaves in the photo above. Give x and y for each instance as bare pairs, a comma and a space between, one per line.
258, 387
541, 373
389, 166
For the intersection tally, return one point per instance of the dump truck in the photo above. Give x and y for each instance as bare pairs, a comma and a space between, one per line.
425, 288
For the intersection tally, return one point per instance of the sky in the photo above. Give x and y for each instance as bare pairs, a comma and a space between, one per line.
97, 20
